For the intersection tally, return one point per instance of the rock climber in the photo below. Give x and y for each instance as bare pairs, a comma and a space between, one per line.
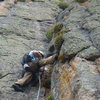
32, 62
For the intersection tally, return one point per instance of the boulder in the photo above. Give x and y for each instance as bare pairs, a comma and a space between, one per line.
35, 11
77, 80
74, 42
84, 34
90, 53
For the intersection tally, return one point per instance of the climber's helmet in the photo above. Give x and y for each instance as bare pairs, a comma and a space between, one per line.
42, 53
37, 53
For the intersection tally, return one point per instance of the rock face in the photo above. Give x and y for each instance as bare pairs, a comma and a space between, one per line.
84, 34
79, 79
21, 30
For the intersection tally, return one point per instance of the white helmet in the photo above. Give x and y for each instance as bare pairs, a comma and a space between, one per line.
42, 53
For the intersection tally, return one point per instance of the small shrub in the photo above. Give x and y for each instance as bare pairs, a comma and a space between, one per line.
50, 97
58, 42
49, 34
81, 1
63, 5
58, 27
60, 32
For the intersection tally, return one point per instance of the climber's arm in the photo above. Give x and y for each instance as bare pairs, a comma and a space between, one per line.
49, 60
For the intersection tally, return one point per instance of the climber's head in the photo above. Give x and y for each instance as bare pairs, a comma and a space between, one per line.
38, 53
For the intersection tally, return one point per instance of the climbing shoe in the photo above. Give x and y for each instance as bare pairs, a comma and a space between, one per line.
18, 88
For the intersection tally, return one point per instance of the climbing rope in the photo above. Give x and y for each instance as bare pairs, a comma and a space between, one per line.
39, 87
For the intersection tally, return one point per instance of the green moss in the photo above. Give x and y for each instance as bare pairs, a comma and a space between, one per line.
63, 5
49, 34
58, 42
58, 27
50, 97
61, 32
81, 1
